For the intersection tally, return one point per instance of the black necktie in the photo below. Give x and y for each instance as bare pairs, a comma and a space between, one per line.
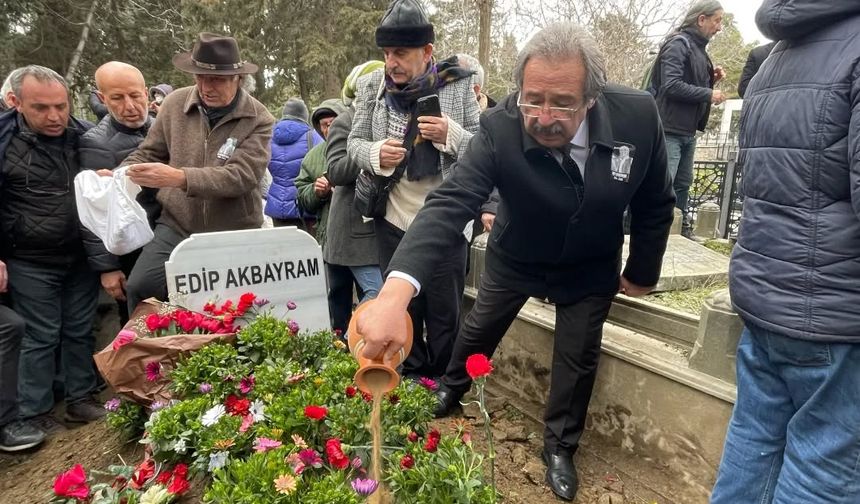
572, 169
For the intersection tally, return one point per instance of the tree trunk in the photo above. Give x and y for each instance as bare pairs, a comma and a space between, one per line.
485, 14
79, 51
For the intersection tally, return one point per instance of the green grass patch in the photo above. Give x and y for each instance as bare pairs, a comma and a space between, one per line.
690, 300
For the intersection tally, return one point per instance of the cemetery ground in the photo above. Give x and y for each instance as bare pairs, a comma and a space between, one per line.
608, 475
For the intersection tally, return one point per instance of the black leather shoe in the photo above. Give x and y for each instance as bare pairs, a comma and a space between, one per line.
561, 475
449, 402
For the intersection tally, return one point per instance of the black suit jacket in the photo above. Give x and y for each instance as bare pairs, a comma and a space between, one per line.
754, 61
544, 243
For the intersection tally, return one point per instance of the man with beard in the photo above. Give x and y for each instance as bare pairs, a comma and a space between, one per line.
568, 153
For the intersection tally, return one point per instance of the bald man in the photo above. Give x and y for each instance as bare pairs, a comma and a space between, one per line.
123, 90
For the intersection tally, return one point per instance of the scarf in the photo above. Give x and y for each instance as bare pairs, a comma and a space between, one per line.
423, 158
216, 114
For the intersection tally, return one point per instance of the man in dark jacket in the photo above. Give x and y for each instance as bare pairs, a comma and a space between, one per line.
585, 151
123, 90
684, 78
754, 61
794, 435
52, 287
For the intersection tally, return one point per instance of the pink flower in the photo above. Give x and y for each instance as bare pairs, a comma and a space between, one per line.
293, 326
246, 385
247, 422
123, 338
364, 487
112, 404
356, 462
262, 444
153, 371
295, 463
72, 484
291, 305
311, 458
299, 441
428, 383
205, 388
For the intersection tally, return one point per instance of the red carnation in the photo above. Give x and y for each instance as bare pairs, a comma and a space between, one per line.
367, 397
351, 391
142, 473
153, 322
407, 462
179, 485
335, 454
72, 483
478, 365
432, 441
164, 477
316, 412
236, 406
181, 470
412, 437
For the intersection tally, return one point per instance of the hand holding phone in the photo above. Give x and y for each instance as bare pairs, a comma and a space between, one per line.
429, 106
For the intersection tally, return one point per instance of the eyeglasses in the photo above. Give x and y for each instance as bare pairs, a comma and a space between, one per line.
557, 113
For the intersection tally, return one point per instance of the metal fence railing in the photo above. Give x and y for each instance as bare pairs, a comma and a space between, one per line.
717, 182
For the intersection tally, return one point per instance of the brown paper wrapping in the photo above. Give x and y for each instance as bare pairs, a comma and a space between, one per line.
124, 369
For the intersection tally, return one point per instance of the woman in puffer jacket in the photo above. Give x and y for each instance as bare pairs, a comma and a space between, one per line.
292, 139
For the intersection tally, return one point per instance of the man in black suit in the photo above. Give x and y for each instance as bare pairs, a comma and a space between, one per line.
568, 154
754, 61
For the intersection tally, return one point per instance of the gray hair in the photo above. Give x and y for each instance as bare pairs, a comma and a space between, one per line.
470, 62
248, 83
565, 40
40, 73
7, 84
705, 8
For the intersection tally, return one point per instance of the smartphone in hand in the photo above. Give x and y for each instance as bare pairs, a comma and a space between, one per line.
429, 106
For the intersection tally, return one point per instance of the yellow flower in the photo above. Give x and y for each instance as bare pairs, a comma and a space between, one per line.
223, 444
285, 484
340, 345
277, 433
318, 381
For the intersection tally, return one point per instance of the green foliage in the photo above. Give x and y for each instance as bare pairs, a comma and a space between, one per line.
212, 364
128, 419
178, 422
451, 474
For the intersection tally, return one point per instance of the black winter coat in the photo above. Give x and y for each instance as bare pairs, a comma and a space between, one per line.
544, 243
38, 217
105, 147
686, 84
754, 61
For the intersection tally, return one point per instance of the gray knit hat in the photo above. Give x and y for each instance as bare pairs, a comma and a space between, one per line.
295, 108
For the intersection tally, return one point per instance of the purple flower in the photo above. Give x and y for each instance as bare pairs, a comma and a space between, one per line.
428, 383
364, 487
356, 463
113, 404
247, 383
157, 405
291, 305
205, 388
261, 302
293, 326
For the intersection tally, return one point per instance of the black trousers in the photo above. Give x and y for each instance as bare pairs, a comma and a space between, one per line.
340, 285
437, 305
148, 278
576, 351
11, 333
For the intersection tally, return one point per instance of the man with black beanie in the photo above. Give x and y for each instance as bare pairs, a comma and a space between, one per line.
390, 138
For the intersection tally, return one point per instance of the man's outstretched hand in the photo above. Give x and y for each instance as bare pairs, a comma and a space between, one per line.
382, 323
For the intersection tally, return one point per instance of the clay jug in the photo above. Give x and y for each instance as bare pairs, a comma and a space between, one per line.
374, 373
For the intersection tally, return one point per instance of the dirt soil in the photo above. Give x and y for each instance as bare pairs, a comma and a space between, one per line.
28, 477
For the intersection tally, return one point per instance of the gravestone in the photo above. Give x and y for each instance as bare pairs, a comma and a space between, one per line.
687, 264
280, 265
717, 342
707, 216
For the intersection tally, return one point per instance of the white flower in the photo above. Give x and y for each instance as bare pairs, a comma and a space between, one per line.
212, 416
157, 494
217, 460
258, 409
179, 446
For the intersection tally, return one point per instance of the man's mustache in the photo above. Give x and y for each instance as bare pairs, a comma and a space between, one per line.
552, 129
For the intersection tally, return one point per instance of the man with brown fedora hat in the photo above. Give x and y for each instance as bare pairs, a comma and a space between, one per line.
206, 155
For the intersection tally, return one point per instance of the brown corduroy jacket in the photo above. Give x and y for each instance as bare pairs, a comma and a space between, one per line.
221, 194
